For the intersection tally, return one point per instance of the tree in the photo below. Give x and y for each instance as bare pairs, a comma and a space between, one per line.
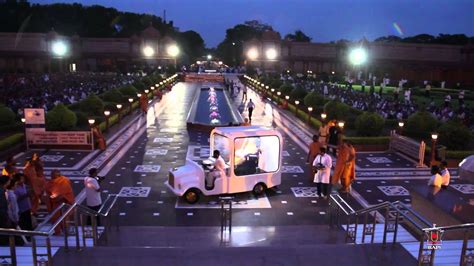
388, 39
230, 50
298, 36
420, 38
192, 46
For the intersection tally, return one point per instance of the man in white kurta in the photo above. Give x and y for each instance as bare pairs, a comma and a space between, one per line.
218, 171
322, 163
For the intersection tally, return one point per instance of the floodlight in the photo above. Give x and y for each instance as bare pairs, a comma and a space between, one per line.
252, 53
148, 51
59, 48
271, 54
173, 50
358, 56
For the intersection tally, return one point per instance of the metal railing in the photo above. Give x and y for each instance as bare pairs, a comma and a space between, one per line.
64, 221
394, 214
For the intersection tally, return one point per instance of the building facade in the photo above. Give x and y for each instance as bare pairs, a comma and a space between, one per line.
51, 52
432, 62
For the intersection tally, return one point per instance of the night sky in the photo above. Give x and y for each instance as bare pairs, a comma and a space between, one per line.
323, 20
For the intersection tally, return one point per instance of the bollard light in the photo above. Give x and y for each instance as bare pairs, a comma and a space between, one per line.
273, 90
287, 97
434, 136
91, 121
139, 95
279, 93
147, 91
310, 109
152, 88
324, 115
23, 120
130, 100
119, 106
341, 124
106, 112
401, 124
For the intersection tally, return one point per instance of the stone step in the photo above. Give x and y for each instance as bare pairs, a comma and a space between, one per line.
323, 254
24, 255
449, 254
402, 235
210, 236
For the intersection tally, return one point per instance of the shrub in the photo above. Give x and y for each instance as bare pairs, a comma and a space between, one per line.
128, 91
148, 82
421, 124
81, 119
276, 83
369, 124
92, 105
140, 86
10, 141
454, 135
113, 95
60, 118
314, 99
298, 93
7, 116
337, 110
286, 89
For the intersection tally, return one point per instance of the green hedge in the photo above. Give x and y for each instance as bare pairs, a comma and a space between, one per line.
458, 154
369, 124
113, 95
60, 118
7, 116
92, 105
10, 141
454, 135
420, 125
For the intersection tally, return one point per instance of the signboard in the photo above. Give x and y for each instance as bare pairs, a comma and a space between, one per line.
34, 116
60, 139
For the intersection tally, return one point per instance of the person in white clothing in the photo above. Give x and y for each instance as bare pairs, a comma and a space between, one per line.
92, 187
218, 170
322, 166
446, 176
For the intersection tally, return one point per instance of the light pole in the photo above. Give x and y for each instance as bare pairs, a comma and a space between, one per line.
130, 100
323, 116
296, 107
278, 94
106, 114
91, 126
273, 90
400, 127
266, 91
310, 109
434, 138
341, 126
287, 98
119, 107
146, 93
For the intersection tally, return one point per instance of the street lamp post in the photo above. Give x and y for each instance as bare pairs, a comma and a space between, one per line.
106, 114
310, 109
296, 107
434, 138
119, 107
341, 126
273, 90
400, 127
278, 94
91, 126
323, 116
130, 100
286, 102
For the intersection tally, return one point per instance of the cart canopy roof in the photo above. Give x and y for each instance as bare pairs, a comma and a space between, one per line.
245, 131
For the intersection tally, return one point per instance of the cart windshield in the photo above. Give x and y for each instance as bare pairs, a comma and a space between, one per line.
255, 155
222, 144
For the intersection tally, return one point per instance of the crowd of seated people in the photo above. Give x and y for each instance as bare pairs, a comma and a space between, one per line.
18, 91
389, 105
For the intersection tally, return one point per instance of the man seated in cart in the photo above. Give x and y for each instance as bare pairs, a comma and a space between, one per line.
217, 171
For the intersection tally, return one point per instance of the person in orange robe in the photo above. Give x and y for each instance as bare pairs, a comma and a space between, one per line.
144, 103
99, 138
314, 150
31, 178
345, 166
349, 171
39, 183
59, 190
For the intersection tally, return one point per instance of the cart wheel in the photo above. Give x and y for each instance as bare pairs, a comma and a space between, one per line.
259, 189
191, 196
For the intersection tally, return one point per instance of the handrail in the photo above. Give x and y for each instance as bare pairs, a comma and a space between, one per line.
343, 201
114, 200
16, 232
340, 206
417, 215
453, 227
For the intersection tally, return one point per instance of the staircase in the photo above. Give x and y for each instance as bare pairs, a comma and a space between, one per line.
262, 245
